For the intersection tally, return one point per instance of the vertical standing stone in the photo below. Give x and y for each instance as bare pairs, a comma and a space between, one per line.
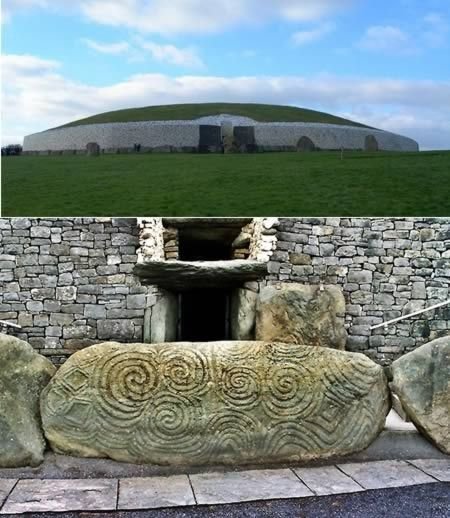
23, 375
421, 379
302, 314
92, 149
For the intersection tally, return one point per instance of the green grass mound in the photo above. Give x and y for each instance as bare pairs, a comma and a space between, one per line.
258, 112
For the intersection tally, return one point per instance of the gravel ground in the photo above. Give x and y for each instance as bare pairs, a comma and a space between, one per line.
425, 501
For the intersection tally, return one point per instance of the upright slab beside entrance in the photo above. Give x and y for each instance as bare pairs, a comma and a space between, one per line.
421, 379
23, 375
214, 402
302, 313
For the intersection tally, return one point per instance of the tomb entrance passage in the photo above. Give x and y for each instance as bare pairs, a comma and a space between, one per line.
204, 315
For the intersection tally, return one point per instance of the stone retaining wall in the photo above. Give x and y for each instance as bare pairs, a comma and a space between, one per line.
185, 136
329, 137
386, 267
69, 282
113, 137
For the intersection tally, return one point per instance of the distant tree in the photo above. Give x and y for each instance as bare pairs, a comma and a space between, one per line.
12, 150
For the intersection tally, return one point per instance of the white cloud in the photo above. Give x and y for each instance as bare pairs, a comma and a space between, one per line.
188, 16
437, 30
11, 6
184, 57
387, 39
300, 38
37, 96
121, 47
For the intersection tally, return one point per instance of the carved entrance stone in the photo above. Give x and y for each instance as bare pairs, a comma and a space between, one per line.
216, 402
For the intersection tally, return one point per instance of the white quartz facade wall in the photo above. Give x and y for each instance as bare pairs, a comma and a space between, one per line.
151, 241
263, 241
386, 267
116, 136
186, 134
328, 136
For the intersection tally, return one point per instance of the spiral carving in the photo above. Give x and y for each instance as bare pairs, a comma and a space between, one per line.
169, 426
214, 403
287, 396
124, 382
241, 387
184, 370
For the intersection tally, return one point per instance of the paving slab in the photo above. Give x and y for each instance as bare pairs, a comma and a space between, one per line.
244, 486
327, 480
6, 485
155, 492
437, 468
34, 496
385, 474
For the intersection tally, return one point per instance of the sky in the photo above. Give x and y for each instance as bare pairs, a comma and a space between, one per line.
385, 63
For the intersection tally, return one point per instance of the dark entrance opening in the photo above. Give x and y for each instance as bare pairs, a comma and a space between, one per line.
305, 144
210, 138
204, 315
206, 244
245, 138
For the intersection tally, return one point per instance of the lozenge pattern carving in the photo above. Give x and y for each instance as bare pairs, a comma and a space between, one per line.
209, 403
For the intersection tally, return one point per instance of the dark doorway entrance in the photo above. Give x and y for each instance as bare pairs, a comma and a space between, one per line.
245, 138
204, 315
206, 244
191, 249
210, 138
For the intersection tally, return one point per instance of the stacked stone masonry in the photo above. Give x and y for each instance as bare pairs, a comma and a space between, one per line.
386, 267
185, 136
69, 282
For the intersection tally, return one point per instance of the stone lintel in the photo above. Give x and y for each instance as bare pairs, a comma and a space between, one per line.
183, 275
206, 222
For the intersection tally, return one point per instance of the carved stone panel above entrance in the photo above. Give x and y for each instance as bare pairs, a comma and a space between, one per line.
302, 314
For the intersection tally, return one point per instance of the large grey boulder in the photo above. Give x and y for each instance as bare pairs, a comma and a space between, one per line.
421, 379
302, 314
23, 375
92, 149
216, 402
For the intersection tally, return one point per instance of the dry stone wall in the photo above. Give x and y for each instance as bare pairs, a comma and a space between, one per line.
386, 267
70, 283
185, 135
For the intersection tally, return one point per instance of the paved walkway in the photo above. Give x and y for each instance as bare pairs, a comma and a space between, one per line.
50, 495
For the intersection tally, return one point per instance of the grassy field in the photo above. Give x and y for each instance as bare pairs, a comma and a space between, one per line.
282, 184
258, 112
